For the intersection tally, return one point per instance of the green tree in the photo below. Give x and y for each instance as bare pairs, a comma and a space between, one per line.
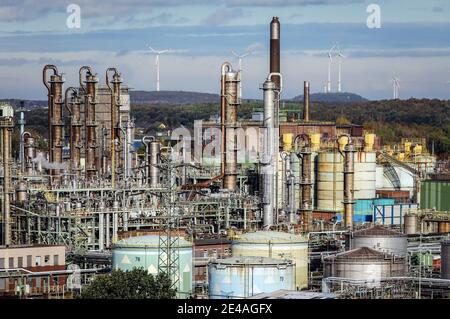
134, 284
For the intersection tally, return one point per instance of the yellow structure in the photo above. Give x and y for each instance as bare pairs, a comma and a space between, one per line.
369, 141
342, 141
315, 141
287, 141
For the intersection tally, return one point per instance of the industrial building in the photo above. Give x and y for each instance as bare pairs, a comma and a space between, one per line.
280, 206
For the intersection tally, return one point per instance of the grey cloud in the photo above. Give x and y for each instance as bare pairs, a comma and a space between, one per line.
25, 10
223, 16
42, 60
438, 9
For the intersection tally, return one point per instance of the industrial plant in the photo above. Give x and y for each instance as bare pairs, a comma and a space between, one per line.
276, 206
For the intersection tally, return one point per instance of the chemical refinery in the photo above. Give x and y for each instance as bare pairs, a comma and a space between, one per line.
237, 208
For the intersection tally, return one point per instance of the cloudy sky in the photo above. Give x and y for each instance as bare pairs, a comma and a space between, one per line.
413, 43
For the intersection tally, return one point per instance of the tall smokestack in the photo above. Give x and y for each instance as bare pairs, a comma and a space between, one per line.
275, 49
306, 101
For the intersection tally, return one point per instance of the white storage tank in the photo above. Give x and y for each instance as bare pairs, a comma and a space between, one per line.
330, 179
365, 175
278, 245
244, 277
143, 252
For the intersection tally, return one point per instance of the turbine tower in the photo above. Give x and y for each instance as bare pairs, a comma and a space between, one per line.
396, 86
330, 61
158, 53
340, 55
240, 57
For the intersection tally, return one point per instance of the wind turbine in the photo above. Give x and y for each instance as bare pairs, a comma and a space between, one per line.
330, 61
340, 55
240, 57
396, 86
158, 53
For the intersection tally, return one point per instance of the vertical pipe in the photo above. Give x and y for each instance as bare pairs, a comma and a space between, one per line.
6, 132
154, 159
101, 231
107, 229
306, 101
306, 182
21, 146
225, 68
348, 202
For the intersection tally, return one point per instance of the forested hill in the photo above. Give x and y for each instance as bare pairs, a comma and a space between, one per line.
172, 97
391, 119
343, 97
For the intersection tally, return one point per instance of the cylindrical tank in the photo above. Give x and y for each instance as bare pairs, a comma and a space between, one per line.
143, 252
231, 109
276, 245
244, 277
364, 264
342, 141
154, 159
315, 141
288, 138
445, 259
410, 223
365, 175
418, 149
270, 154
330, 181
369, 141
443, 227
381, 239
21, 192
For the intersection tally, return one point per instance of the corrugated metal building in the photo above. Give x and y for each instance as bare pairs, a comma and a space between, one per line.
435, 194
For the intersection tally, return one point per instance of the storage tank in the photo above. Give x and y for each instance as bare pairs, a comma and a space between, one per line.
243, 277
365, 175
330, 179
364, 264
276, 245
143, 252
380, 239
410, 223
445, 259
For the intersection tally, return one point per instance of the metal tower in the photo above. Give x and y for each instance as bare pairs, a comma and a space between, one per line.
169, 244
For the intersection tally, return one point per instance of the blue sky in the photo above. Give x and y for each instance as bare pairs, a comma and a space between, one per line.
413, 43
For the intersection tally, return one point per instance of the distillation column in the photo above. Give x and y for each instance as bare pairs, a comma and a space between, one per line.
269, 154
349, 168
90, 90
28, 153
231, 103
306, 185
75, 133
6, 126
55, 102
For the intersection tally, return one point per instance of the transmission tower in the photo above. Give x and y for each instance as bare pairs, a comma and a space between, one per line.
169, 245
